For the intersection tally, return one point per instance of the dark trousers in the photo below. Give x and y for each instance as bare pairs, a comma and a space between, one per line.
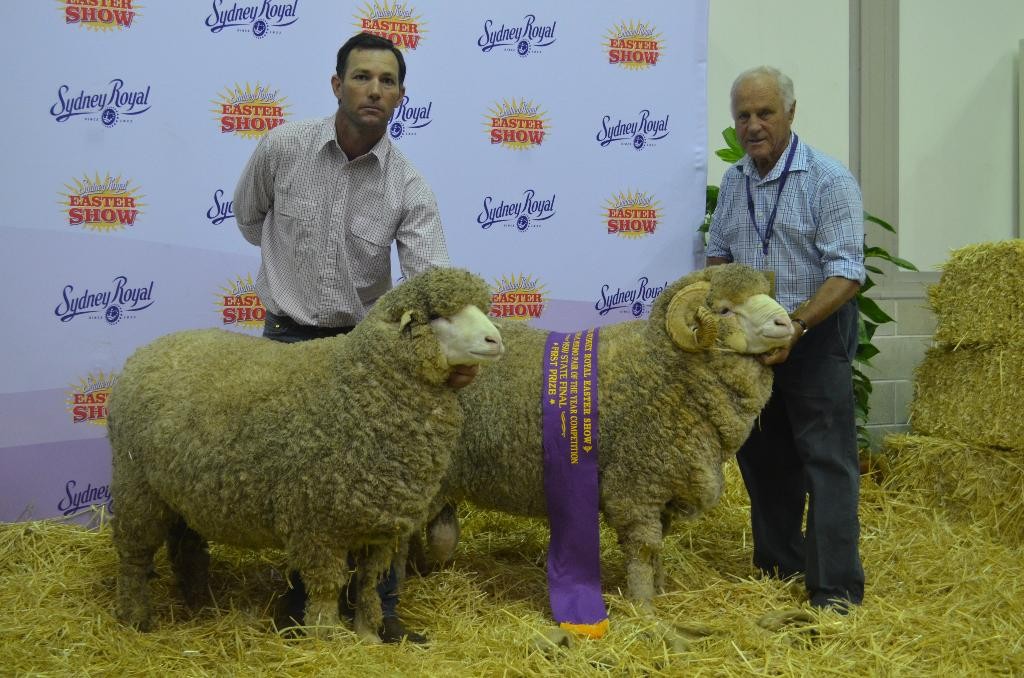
804, 449
284, 329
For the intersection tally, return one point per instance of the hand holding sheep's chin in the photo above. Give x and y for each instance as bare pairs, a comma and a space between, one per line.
462, 375
779, 355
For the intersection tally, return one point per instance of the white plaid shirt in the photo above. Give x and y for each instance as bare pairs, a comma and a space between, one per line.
325, 224
819, 227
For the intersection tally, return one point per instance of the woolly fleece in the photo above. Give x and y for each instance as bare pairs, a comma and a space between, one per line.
317, 447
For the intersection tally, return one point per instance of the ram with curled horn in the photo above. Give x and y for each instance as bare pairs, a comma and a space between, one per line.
677, 394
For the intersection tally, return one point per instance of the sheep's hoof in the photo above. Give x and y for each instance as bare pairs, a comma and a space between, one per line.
367, 634
551, 639
776, 620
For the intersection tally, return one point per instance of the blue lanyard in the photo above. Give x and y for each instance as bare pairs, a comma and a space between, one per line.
770, 226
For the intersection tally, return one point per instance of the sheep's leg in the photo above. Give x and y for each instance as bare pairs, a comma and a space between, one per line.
642, 546
190, 562
325, 572
140, 524
371, 565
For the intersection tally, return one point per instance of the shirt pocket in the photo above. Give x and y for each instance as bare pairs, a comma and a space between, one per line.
293, 219
368, 254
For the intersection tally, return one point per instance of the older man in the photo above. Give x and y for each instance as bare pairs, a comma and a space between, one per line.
790, 209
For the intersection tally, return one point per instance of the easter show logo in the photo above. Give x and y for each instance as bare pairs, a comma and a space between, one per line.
239, 306
118, 102
631, 214
633, 46
518, 297
260, 19
520, 38
100, 15
87, 400
107, 204
395, 21
519, 125
251, 111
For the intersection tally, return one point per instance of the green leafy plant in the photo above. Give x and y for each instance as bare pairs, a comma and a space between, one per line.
871, 314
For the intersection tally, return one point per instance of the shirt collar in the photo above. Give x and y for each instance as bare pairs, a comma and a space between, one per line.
800, 159
327, 134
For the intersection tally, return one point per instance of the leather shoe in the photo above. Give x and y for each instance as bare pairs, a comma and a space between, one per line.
394, 631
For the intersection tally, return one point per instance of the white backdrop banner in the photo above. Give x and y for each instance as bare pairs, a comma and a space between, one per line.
565, 142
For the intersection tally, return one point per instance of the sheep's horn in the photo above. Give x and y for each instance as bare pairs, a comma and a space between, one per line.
689, 322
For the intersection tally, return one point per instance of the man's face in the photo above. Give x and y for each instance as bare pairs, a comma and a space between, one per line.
762, 124
370, 91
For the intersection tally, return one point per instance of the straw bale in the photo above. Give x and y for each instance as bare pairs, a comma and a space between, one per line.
942, 599
972, 395
980, 297
974, 485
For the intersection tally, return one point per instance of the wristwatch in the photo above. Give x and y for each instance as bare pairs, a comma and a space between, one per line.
802, 323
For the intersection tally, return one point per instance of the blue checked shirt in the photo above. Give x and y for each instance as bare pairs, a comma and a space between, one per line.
819, 226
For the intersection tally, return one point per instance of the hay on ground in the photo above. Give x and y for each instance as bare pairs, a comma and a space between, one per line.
980, 297
942, 599
972, 395
977, 486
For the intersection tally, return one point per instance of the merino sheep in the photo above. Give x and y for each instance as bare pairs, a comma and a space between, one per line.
678, 394
320, 448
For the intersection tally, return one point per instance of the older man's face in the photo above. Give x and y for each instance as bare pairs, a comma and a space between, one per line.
762, 124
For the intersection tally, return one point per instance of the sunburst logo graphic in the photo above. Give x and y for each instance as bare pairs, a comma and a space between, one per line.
87, 400
632, 214
101, 204
636, 45
239, 305
100, 15
518, 125
395, 21
518, 297
251, 111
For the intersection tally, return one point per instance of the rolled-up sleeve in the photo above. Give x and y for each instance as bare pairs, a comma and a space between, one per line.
420, 236
840, 229
254, 194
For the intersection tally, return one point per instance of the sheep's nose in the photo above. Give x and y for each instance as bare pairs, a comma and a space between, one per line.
496, 340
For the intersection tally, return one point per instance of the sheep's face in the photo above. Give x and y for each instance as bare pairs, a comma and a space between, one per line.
468, 337
728, 307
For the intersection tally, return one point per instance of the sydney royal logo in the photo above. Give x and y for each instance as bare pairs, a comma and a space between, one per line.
261, 18
408, 119
518, 125
87, 400
518, 297
107, 204
521, 38
115, 103
523, 213
250, 112
635, 300
638, 132
395, 21
240, 306
633, 46
100, 15
77, 499
632, 214
111, 305
222, 208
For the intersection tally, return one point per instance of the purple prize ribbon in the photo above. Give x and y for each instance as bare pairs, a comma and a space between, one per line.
570, 432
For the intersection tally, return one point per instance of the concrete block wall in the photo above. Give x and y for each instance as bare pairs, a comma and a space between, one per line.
902, 345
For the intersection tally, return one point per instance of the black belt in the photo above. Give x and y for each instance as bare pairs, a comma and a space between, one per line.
285, 324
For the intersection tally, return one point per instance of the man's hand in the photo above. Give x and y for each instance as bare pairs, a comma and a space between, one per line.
779, 355
462, 375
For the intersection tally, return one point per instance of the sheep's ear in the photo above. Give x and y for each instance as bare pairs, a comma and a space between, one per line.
405, 321
692, 326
